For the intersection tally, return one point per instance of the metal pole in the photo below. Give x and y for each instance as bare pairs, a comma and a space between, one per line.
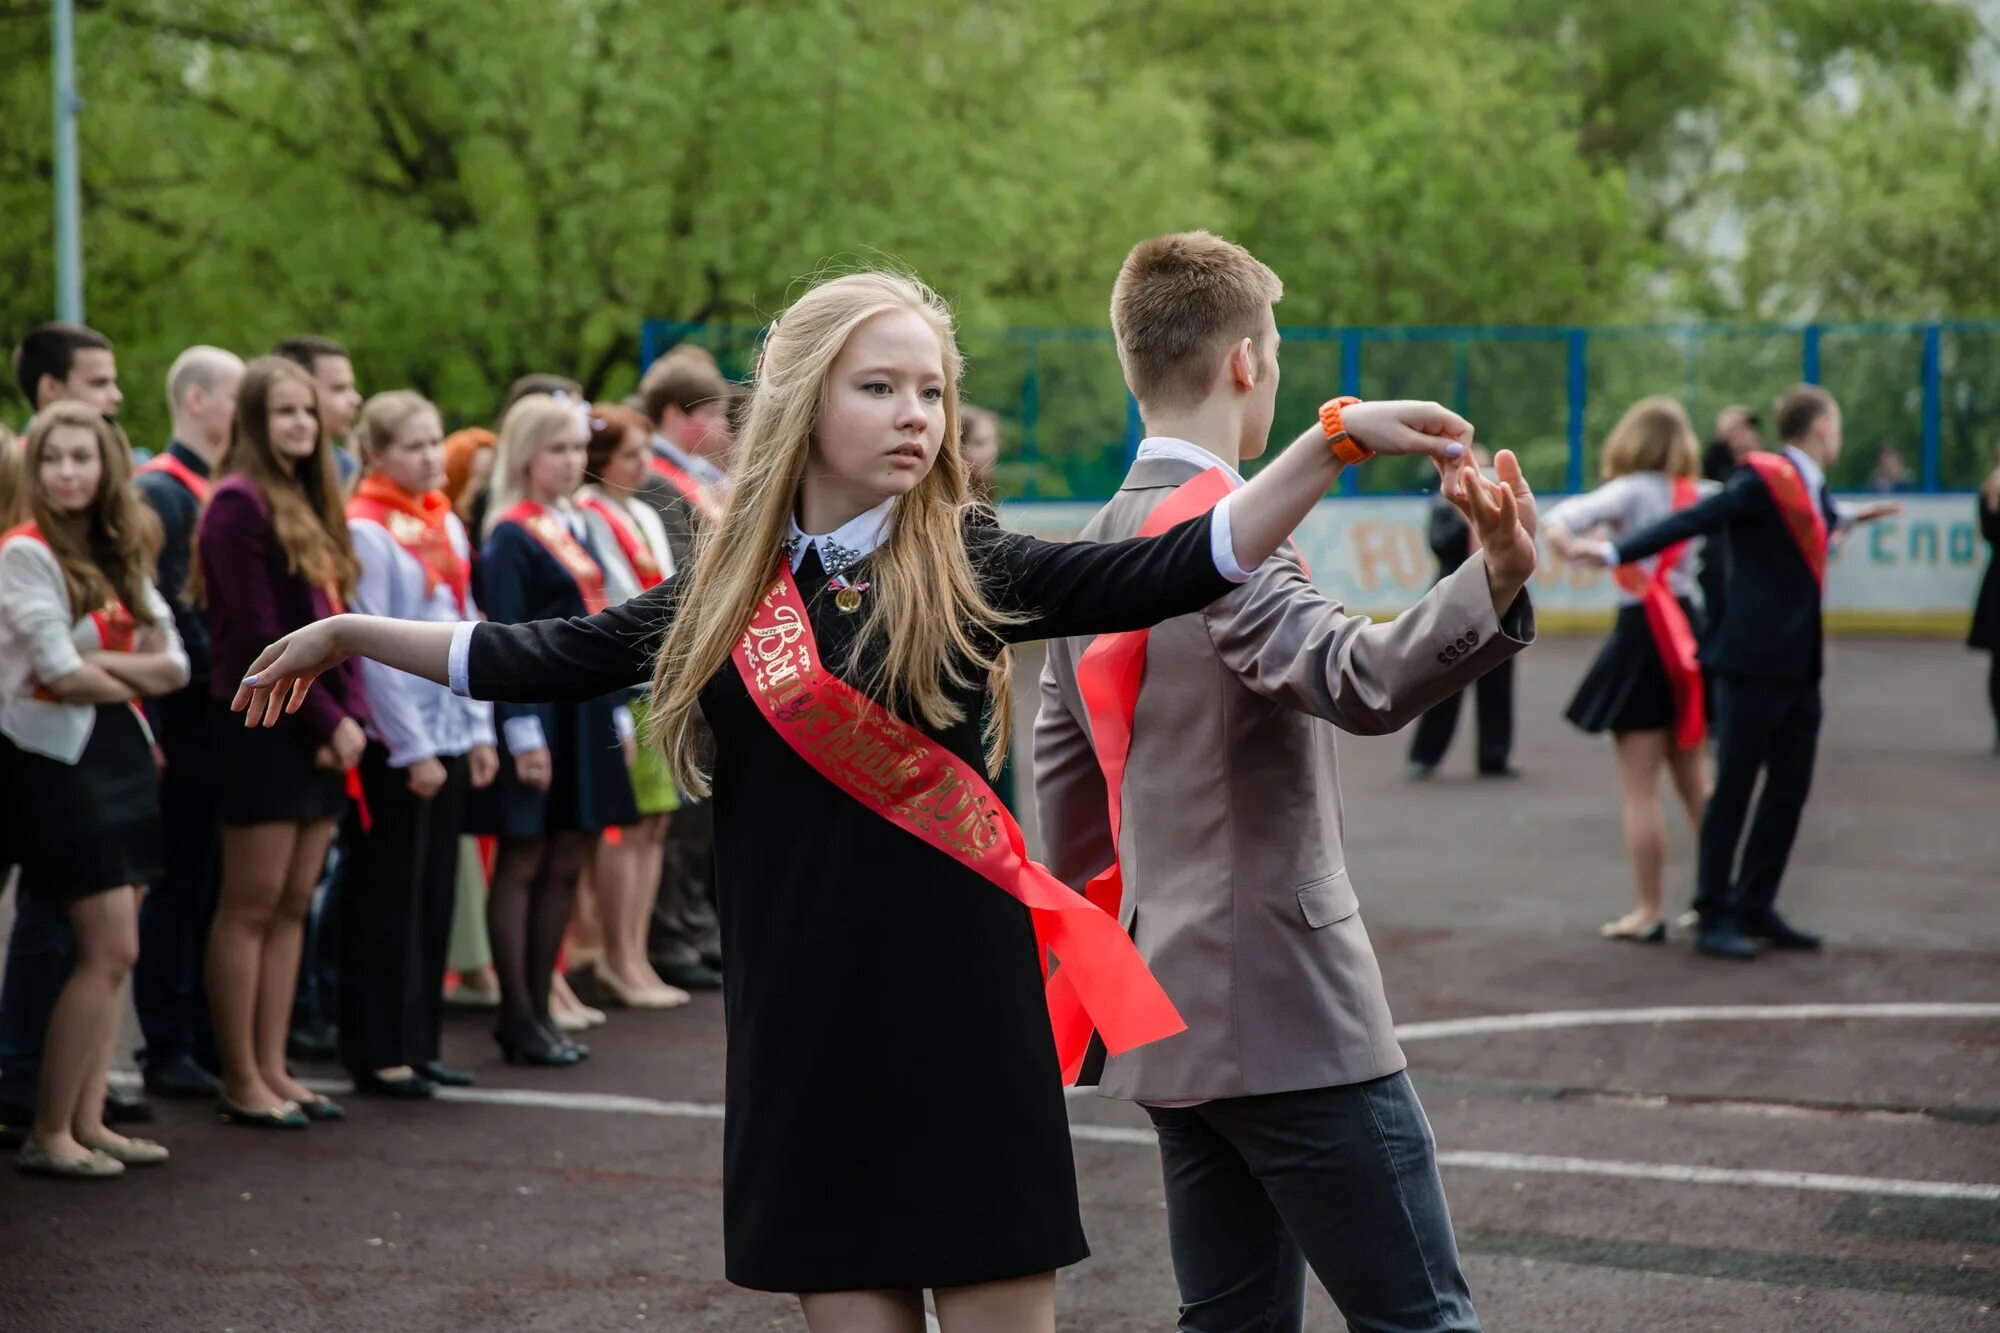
1350, 386
69, 242
1578, 375
1933, 393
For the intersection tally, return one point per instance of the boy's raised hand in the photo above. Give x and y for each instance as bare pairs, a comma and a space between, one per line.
1502, 513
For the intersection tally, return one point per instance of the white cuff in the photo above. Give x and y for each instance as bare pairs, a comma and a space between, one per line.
460, 659
1222, 543
525, 735
621, 720
1611, 557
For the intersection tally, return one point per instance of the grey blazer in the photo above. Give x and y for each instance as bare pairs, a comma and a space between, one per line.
1236, 883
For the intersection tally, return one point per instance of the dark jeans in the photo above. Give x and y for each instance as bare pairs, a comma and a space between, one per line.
175, 916
40, 953
1342, 1179
1495, 693
396, 917
1768, 727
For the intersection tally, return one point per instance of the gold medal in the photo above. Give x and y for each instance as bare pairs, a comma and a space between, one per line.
848, 600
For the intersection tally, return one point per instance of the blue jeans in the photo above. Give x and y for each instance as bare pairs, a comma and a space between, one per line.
40, 953
1342, 1179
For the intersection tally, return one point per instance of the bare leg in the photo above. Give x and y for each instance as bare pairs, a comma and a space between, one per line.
1640, 757
1692, 782
864, 1311
1019, 1305
255, 858
611, 875
76, 1055
283, 939
648, 857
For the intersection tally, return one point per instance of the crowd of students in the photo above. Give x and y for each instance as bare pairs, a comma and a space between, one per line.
389, 833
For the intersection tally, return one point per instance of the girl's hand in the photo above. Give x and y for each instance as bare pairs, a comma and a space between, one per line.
281, 675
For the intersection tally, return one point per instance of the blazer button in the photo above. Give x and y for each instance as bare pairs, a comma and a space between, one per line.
1443, 658
1472, 637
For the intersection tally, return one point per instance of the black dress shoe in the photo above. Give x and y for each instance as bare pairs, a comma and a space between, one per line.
126, 1108
691, 976
1721, 939
1772, 929
444, 1075
532, 1046
578, 1050
410, 1087
180, 1076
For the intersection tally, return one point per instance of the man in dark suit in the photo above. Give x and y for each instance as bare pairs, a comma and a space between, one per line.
1451, 543
1764, 662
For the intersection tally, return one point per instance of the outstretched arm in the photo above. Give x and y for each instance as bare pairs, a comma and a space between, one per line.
1733, 503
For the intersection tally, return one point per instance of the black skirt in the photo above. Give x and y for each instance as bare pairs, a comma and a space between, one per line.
590, 787
90, 826
1626, 688
266, 775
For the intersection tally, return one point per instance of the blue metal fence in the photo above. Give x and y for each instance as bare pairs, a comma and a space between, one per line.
1930, 390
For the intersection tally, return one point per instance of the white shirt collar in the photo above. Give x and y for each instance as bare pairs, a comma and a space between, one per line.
1814, 475
703, 471
1184, 451
846, 544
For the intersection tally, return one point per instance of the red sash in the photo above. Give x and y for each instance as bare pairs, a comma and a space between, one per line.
419, 524
637, 553
560, 542
1109, 676
705, 501
1672, 634
196, 483
929, 793
1795, 505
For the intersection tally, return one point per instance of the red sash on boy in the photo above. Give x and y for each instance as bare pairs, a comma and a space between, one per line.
929, 793
706, 502
637, 553
1672, 634
1796, 506
560, 542
1109, 676
196, 484
418, 524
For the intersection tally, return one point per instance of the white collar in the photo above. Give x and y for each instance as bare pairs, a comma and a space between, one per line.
853, 540
1815, 476
1184, 451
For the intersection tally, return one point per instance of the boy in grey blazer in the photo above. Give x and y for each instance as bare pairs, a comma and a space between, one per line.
1289, 1133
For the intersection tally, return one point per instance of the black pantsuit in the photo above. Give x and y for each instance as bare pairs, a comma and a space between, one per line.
1494, 692
1761, 726
396, 916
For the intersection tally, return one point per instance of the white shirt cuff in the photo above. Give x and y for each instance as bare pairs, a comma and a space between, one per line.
460, 659
621, 720
1222, 543
525, 735
1611, 557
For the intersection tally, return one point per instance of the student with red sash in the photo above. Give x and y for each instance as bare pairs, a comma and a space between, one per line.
427, 752
174, 917
272, 554
1645, 687
632, 538
563, 777
83, 635
1765, 661
882, 924
1188, 781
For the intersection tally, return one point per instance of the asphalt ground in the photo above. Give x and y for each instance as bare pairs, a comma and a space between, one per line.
1808, 1142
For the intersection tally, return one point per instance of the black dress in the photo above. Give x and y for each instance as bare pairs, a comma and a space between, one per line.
1986, 611
1626, 688
590, 788
895, 1116
82, 828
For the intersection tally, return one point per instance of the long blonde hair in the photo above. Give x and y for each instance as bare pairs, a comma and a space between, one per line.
1654, 435
531, 423
928, 612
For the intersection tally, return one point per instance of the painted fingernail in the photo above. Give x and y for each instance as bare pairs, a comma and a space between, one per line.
251, 681
1454, 449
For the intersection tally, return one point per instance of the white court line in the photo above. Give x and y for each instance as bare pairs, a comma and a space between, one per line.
1717, 1013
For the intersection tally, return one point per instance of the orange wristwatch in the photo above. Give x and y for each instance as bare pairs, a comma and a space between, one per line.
1345, 447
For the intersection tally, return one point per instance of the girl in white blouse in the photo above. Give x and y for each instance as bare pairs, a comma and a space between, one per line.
83, 634
1651, 464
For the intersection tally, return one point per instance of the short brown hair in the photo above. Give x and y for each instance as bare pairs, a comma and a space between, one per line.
1179, 301
684, 379
1654, 435
1799, 407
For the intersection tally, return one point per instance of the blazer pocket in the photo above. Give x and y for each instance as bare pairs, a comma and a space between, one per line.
1325, 901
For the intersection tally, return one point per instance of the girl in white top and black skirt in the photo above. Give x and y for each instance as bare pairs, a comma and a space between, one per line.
83, 634
427, 752
1645, 687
